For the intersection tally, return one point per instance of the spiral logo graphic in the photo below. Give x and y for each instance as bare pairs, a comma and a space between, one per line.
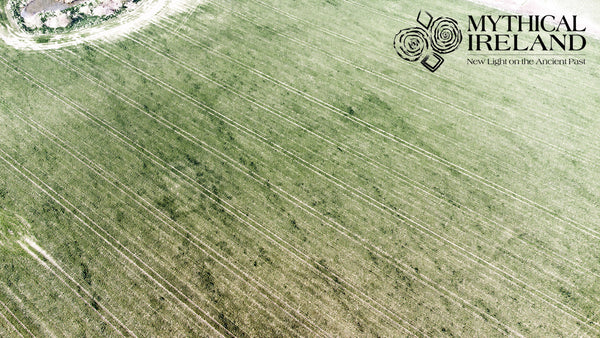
445, 35
411, 43
441, 35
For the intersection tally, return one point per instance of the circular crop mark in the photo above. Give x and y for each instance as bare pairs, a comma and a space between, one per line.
446, 36
411, 43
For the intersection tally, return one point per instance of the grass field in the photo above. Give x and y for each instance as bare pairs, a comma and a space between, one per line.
272, 168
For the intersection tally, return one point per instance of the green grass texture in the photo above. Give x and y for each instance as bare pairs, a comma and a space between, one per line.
272, 168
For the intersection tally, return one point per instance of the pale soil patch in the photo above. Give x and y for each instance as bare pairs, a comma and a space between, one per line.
60, 20
36, 6
33, 21
135, 18
587, 11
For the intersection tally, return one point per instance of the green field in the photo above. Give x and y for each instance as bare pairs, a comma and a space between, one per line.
272, 168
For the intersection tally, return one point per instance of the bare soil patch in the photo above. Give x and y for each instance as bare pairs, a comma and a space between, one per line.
37, 6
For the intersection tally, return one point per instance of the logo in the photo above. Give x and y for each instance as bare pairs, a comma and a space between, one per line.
429, 42
520, 33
